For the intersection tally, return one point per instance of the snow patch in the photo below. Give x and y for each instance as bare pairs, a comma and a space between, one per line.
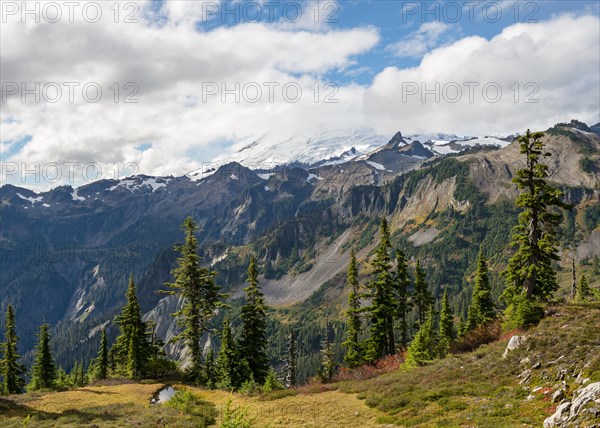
133, 183
376, 165
76, 197
311, 176
30, 199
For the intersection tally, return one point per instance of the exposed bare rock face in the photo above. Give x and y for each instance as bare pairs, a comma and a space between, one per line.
493, 171
582, 410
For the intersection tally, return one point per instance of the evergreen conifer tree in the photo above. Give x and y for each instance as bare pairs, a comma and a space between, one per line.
132, 348
100, 366
583, 290
328, 365
232, 369
595, 267
74, 375
423, 348
201, 296
530, 274
422, 296
402, 284
271, 382
253, 342
383, 305
291, 361
481, 310
209, 370
11, 371
43, 372
354, 351
82, 374
447, 334
63, 381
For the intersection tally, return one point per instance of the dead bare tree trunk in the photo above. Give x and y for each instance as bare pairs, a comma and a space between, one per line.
574, 283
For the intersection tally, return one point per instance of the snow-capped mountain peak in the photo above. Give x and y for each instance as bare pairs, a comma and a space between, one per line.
326, 144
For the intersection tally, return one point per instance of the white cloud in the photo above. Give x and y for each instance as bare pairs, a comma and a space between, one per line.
429, 35
560, 57
171, 62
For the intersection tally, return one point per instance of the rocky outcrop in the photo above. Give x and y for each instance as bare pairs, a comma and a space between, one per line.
584, 407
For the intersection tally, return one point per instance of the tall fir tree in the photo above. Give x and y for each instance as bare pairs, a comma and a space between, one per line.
253, 341
210, 375
383, 305
595, 267
43, 372
354, 351
402, 291
74, 375
291, 361
82, 374
10, 370
530, 274
447, 333
328, 364
481, 310
573, 278
132, 348
63, 381
231, 366
583, 290
101, 362
422, 296
201, 296
424, 347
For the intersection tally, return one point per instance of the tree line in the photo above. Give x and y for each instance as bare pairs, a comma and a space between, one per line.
137, 354
378, 318
530, 280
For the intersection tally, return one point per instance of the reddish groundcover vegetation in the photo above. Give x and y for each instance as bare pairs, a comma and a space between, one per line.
385, 365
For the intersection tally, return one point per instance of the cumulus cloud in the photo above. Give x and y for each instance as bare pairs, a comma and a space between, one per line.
528, 76
179, 74
177, 70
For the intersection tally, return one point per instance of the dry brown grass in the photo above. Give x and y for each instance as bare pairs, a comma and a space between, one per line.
324, 409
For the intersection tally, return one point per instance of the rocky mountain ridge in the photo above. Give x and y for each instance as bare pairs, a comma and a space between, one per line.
67, 252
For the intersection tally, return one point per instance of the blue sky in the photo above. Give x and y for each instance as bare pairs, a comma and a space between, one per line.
397, 21
394, 23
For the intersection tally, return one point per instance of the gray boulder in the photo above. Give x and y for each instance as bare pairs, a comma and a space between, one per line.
515, 342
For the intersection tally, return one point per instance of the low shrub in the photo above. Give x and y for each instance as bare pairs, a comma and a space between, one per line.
187, 403
479, 336
387, 364
236, 417
522, 313
271, 382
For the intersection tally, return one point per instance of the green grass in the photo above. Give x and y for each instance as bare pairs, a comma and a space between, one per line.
481, 388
